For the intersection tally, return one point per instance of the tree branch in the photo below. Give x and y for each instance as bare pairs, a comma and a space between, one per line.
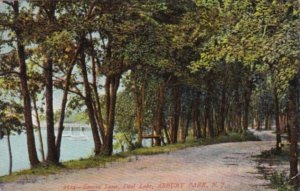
8, 3
9, 73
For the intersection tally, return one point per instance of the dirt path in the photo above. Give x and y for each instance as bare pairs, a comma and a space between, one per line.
227, 166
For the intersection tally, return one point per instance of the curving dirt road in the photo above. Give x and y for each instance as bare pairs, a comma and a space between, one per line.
227, 166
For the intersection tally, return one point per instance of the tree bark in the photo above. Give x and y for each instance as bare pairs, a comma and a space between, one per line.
66, 88
195, 117
51, 151
97, 104
208, 110
247, 95
223, 111
139, 107
111, 88
9, 152
277, 121
293, 124
38, 126
238, 105
31, 146
168, 138
89, 104
176, 113
159, 113
267, 117
48, 73
64, 102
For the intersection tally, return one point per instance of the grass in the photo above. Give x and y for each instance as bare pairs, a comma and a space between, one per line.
280, 156
100, 161
44, 170
278, 180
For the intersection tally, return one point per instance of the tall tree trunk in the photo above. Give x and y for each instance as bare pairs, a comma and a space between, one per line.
66, 88
168, 138
247, 96
31, 146
282, 123
111, 88
293, 124
51, 151
256, 114
33, 159
89, 104
277, 121
48, 73
208, 110
182, 127
9, 152
63, 107
288, 127
267, 117
223, 111
206, 115
97, 104
176, 113
187, 123
238, 110
139, 99
159, 112
196, 116
39, 127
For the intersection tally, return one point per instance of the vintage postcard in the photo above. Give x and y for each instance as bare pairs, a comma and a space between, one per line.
149, 95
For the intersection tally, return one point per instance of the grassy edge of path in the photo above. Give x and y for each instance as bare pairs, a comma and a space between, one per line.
101, 162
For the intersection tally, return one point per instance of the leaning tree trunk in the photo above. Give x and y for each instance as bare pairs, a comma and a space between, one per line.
64, 102
33, 159
66, 89
89, 104
38, 126
293, 124
31, 146
97, 103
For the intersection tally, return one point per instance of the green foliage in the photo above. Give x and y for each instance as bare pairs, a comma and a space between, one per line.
224, 51
125, 112
280, 181
126, 133
10, 118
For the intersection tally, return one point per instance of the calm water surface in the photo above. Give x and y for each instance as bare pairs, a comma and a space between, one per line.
70, 149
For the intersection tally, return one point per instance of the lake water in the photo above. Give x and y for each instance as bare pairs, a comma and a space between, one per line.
70, 149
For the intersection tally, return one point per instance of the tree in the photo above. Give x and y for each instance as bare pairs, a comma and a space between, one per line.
10, 122
17, 27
